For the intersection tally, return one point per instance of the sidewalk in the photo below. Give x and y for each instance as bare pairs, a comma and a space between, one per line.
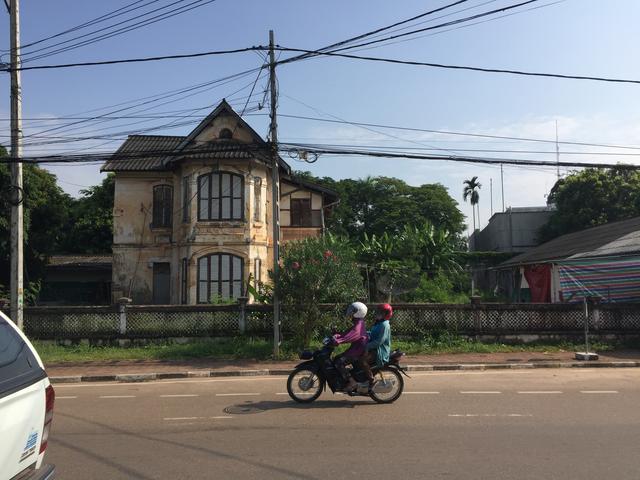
154, 370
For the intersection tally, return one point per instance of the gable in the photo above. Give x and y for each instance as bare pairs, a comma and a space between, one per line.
223, 134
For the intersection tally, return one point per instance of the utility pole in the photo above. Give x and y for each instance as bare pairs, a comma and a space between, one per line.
275, 191
17, 234
557, 152
502, 182
491, 193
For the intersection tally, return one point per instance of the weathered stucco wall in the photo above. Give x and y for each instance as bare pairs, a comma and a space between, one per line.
138, 244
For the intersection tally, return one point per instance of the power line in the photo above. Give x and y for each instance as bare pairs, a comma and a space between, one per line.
308, 53
466, 25
471, 150
138, 60
457, 158
459, 67
455, 133
120, 31
262, 148
378, 30
317, 110
101, 18
176, 95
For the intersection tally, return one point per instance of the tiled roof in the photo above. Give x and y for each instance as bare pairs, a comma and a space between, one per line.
159, 152
80, 261
615, 238
123, 160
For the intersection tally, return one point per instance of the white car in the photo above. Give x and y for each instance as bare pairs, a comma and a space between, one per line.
26, 407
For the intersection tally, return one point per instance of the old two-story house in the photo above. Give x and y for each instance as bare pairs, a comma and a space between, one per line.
192, 217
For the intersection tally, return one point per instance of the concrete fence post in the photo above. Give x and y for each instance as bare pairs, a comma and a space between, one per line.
242, 314
477, 318
122, 314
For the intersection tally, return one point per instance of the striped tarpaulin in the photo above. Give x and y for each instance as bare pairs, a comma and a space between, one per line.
613, 279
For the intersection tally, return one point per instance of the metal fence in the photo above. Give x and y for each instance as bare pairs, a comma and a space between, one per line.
410, 320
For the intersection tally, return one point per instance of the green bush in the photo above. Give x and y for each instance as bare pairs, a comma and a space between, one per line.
315, 271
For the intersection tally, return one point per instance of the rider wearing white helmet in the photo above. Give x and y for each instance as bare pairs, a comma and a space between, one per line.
357, 337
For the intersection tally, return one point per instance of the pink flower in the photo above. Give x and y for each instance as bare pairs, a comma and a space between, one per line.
295, 266
328, 254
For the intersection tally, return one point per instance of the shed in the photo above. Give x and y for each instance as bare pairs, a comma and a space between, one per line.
602, 261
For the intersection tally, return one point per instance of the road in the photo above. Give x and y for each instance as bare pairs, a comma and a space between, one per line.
524, 424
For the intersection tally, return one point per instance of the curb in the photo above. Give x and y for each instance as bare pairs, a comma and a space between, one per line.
146, 377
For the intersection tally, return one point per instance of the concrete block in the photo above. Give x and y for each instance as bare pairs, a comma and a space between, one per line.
586, 356
98, 378
166, 375
447, 367
66, 379
419, 368
472, 367
136, 377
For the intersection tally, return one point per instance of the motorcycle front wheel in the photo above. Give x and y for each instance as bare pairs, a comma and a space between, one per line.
304, 385
389, 386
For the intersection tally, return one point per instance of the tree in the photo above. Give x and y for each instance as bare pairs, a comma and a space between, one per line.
592, 197
397, 262
316, 271
375, 205
46, 215
91, 220
471, 192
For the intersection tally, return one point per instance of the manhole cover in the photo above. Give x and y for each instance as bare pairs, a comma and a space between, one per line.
242, 409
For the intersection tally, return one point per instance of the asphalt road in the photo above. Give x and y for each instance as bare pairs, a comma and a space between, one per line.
525, 424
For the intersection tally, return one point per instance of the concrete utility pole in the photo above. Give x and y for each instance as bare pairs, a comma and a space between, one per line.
491, 194
557, 152
275, 191
17, 234
502, 183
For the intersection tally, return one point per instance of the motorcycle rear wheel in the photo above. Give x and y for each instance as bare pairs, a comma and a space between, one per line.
304, 385
391, 375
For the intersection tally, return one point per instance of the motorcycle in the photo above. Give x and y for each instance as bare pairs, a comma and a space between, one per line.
311, 377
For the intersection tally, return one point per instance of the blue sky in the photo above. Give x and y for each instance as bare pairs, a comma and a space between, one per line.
588, 37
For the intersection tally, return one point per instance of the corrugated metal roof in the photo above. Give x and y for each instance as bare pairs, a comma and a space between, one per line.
80, 261
124, 160
615, 238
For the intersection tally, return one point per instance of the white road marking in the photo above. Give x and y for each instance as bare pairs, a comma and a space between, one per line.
236, 394
178, 419
117, 396
422, 393
489, 415
281, 378
299, 393
441, 373
180, 395
480, 392
540, 392
599, 391
63, 398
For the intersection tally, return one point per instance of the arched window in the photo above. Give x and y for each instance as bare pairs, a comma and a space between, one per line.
162, 203
219, 277
221, 196
225, 134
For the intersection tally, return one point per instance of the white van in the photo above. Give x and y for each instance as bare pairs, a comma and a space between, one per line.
26, 407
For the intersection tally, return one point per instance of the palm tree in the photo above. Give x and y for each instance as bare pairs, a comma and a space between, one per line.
471, 192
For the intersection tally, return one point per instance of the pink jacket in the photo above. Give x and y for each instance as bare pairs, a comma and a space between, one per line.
357, 337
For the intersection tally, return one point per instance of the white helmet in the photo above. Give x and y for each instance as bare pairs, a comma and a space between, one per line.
357, 310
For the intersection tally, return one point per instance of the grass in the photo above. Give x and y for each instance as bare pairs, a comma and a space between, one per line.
261, 349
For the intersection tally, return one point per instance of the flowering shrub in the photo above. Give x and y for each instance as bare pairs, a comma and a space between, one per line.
315, 271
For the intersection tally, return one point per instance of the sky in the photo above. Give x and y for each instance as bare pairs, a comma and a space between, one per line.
578, 37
